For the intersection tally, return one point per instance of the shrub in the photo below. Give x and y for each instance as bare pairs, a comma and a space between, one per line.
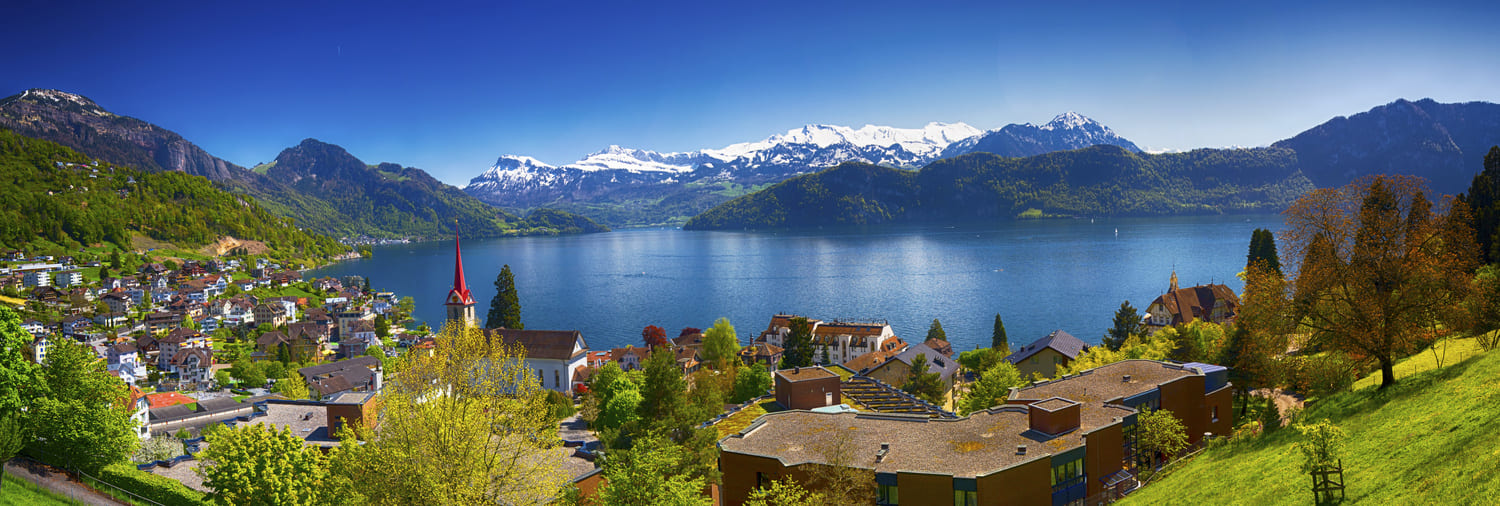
562, 405
1318, 376
155, 488
1270, 417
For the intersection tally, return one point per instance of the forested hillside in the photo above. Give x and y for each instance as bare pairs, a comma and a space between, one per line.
1095, 181
51, 193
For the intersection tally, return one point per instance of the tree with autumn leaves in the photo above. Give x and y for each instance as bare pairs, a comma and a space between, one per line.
1382, 271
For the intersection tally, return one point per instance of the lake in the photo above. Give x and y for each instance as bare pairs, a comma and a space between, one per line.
1039, 275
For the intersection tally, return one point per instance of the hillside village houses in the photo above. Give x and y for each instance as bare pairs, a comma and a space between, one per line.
844, 341
1212, 302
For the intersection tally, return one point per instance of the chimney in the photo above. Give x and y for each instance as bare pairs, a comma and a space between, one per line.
1055, 416
1020, 449
797, 370
1126, 379
884, 449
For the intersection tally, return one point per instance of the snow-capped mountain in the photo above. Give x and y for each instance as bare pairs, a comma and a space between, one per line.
1067, 131
614, 172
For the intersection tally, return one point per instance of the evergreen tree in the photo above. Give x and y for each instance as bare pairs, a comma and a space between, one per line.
919, 382
382, 326
825, 355
998, 340
1127, 323
1263, 249
935, 331
1483, 199
505, 308
799, 345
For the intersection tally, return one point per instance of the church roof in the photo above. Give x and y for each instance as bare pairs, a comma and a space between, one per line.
459, 295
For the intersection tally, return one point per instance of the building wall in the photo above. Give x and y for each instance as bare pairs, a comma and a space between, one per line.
1028, 483
923, 489
556, 374
893, 372
1223, 400
807, 394
740, 471
1045, 362
1103, 455
1184, 397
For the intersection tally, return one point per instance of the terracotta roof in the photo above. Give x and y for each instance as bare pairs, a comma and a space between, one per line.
271, 338
1061, 342
868, 360
543, 344
940, 345
1194, 302
761, 350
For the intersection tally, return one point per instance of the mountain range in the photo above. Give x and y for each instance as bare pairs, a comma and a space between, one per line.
1444, 143
321, 186
626, 186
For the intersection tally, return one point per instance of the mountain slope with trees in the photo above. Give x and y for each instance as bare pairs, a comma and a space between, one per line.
51, 193
1101, 180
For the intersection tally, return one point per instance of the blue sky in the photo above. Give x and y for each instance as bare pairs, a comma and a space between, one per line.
449, 87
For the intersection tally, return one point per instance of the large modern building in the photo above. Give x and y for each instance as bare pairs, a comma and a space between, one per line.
1058, 442
843, 341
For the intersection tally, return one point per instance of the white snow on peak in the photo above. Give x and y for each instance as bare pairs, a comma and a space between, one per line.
56, 96
1068, 121
520, 160
921, 141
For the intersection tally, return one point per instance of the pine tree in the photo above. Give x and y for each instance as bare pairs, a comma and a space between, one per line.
1263, 249
1127, 323
825, 355
505, 308
798, 345
999, 341
936, 331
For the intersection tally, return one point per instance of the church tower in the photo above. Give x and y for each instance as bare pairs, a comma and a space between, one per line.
460, 304
1172, 287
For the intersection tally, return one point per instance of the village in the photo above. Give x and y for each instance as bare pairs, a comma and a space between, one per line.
221, 342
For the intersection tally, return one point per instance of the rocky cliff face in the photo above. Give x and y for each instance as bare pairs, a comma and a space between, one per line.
79, 123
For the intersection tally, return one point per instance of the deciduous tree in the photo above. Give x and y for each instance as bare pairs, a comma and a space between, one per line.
721, 346
468, 424
1160, 433
992, 388
82, 421
786, 492
654, 336
649, 473
750, 382
505, 308
1379, 266
259, 464
20, 378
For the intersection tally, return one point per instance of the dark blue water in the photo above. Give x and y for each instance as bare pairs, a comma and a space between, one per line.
1039, 275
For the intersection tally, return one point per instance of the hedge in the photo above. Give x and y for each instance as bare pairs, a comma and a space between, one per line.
156, 488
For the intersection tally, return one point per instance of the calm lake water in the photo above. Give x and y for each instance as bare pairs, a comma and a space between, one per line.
1038, 275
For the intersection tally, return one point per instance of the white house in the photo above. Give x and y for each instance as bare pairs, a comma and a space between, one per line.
193, 365
68, 278
177, 340
124, 360
140, 412
844, 341
34, 327
37, 278
553, 355
40, 348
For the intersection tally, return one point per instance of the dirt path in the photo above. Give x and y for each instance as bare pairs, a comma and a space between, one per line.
58, 481
1285, 401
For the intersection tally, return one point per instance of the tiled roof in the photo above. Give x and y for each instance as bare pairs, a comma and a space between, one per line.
1186, 304
1060, 341
543, 344
936, 362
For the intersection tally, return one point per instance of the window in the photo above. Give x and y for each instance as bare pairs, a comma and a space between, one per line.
1064, 474
763, 480
965, 498
1215, 413
556, 379
886, 494
539, 379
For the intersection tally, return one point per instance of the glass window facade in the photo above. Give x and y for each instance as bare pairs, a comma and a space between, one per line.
886, 494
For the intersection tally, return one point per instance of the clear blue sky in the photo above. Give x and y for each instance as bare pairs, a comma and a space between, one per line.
449, 87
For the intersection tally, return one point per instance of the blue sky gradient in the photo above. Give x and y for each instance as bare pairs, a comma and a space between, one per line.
448, 87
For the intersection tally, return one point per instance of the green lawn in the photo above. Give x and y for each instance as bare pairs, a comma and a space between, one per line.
1449, 351
21, 492
1430, 439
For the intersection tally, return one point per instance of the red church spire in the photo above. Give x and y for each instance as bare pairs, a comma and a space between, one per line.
459, 295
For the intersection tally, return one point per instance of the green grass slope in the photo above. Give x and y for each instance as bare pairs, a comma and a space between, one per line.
1431, 439
21, 492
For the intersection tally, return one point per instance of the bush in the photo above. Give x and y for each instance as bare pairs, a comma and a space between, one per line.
562, 405
155, 488
1270, 417
1318, 376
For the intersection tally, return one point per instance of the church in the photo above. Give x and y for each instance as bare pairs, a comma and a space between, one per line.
555, 356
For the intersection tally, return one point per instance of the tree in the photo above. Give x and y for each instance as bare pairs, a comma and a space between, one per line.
20, 378
250, 374
292, 388
1127, 323
980, 360
998, 340
648, 473
1160, 433
919, 382
1483, 199
468, 424
654, 337
840, 477
750, 382
14, 434
663, 391
382, 327
824, 359
1322, 445
259, 464
1263, 249
785, 492
1379, 267
720, 345
992, 388
505, 308
935, 331
82, 421
799, 344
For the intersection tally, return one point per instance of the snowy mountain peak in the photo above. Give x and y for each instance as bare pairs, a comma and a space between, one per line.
1068, 121
517, 161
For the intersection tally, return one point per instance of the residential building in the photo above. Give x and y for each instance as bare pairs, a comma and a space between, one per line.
124, 360
764, 353
36, 278
66, 279
807, 388
39, 348
554, 355
895, 370
273, 314
193, 365
360, 339
118, 302
1059, 442
1212, 302
175, 341
358, 374
34, 327
843, 340
629, 358
112, 320
140, 410
1045, 355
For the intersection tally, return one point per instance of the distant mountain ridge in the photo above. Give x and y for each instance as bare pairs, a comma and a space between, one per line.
682, 184
320, 185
